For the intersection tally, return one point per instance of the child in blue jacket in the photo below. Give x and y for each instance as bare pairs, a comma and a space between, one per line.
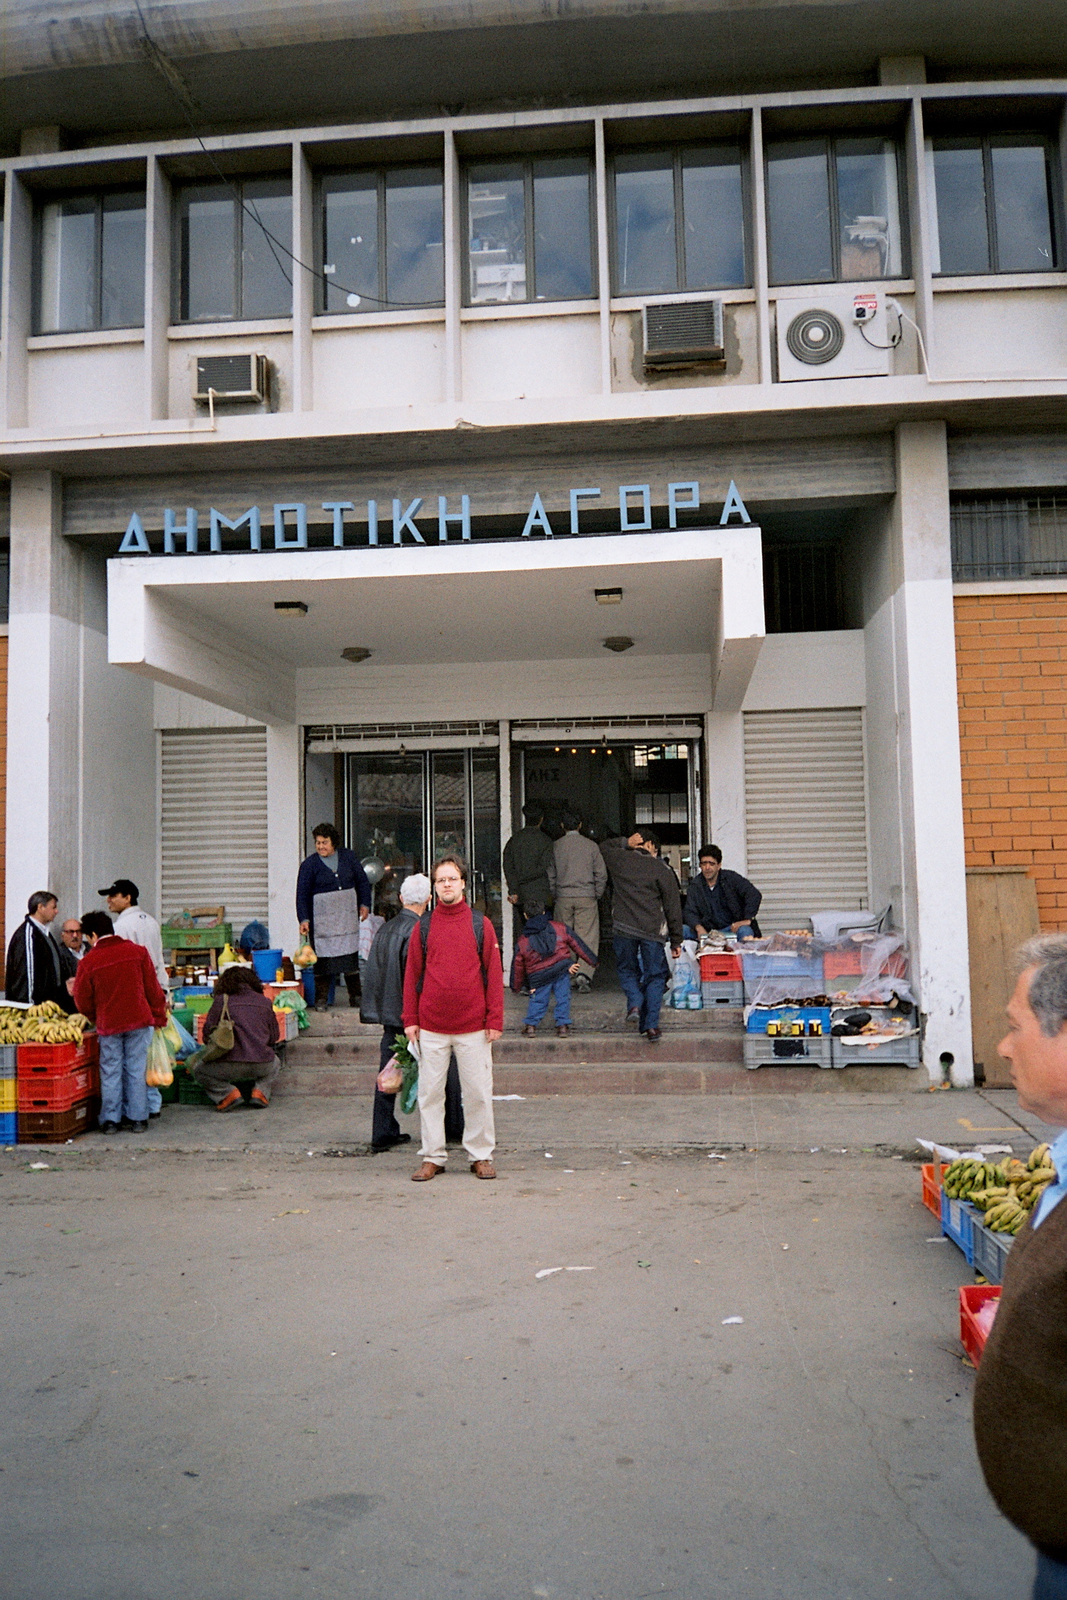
546, 955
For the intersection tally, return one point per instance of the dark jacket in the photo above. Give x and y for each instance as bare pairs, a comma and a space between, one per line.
644, 894
315, 877
1020, 1399
383, 972
35, 968
545, 951
739, 898
117, 987
255, 1027
530, 866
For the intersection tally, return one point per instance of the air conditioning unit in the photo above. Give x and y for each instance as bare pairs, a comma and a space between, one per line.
232, 378
683, 333
836, 334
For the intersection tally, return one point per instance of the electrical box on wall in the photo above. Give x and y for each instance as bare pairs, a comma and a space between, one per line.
232, 378
683, 333
837, 334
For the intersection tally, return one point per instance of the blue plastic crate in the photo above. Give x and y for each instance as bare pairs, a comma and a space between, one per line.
958, 1221
759, 1017
757, 964
9, 1127
990, 1252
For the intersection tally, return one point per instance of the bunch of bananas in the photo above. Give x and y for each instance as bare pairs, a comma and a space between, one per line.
44, 1024
1007, 1192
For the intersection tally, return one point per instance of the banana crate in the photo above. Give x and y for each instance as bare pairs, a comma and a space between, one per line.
958, 1222
57, 1058
990, 1252
761, 1050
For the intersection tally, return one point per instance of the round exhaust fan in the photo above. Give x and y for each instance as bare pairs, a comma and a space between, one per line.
815, 337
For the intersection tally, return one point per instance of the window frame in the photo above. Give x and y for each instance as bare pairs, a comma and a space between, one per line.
986, 140
46, 198
527, 163
677, 153
235, 187
381, 176
830, 142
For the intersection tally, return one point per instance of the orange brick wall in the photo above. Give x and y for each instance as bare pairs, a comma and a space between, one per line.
3, 789
1011, 662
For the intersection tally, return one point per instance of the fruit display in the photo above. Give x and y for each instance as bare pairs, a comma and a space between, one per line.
43, 1024
1006, 1192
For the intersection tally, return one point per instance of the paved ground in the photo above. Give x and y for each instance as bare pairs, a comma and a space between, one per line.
261, 1375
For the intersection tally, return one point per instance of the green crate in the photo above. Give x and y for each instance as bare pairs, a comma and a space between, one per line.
190, 1092
184, 1015
198, 938
169, 1093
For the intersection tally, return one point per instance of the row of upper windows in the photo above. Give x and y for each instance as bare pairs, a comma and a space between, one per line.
680, 220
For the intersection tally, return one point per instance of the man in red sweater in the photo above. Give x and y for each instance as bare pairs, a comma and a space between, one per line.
117, 989
454, 1002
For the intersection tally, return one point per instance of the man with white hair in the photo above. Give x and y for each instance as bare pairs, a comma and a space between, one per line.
383, 997
1020, 1399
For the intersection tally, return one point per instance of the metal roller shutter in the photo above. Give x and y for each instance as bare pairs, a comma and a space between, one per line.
214, 821
806, 813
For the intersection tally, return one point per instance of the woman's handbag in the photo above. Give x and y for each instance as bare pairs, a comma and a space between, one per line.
220, 1040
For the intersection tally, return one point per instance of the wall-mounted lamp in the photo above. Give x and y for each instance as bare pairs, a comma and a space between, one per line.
618, 642
356, 652
608, 597
291, 608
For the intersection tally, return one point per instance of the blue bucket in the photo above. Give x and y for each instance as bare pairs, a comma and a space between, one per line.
266, 963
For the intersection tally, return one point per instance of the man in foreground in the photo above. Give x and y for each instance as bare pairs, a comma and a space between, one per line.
721, 900
646, 908
117, 989
383, 997
1020, 1397
454, 1001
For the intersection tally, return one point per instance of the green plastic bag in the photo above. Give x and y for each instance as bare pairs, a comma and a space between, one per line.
173, 1039
289, 1000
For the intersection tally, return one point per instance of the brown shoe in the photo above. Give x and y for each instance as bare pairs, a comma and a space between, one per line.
230, 1102
427, 1171
483, 1169
529, 1031
563, 1031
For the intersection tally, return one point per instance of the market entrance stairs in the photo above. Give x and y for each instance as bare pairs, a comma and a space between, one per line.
700, 1053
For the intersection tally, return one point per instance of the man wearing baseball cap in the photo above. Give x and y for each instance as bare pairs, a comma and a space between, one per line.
139, 928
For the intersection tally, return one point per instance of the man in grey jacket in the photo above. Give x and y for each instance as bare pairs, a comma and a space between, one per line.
646, 909
383, 997
581, 878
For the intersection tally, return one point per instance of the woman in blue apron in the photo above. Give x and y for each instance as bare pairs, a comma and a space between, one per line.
332, 899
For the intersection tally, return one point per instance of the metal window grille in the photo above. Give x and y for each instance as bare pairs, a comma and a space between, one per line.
1009, 537
802, 588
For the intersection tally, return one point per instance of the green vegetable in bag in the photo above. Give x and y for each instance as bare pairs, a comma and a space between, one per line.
409, 1092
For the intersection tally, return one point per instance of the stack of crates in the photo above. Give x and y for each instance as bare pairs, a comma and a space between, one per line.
788, 1036
803, 970
721, 982
903, 1051
9, 1130
58, 1090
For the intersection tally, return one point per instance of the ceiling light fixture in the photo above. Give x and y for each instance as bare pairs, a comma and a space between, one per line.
291, 608
619, 642
356, 652
608, 597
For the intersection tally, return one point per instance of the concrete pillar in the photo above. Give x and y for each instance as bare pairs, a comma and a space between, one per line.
284, 852
724, 758
929, 798
507, 921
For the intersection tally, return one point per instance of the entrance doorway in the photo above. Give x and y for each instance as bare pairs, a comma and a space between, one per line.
409, 808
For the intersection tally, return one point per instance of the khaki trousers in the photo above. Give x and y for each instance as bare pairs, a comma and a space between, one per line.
474, 1058
584, 917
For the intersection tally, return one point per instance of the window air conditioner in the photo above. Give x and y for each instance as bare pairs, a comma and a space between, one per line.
837, 334
683, 333
232, 378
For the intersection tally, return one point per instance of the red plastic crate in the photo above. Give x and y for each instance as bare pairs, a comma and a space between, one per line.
52, 1091
972, 1297
57, 1058
849, 964
56, 1127
720, 969
932, 1188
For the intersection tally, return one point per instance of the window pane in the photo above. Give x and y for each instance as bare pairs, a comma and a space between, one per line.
122, 262
869, 208
644, 220
1021, 202
350, 243
959, 183
496, 215
207, 253
798, 213
414, 238
68, 266
713, 210
266, 265
563, 245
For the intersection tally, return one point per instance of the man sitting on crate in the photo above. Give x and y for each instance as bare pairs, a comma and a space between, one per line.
721, 900
117, 989
1020, 1399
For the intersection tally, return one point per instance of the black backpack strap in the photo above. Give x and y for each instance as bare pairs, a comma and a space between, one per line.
478, 921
